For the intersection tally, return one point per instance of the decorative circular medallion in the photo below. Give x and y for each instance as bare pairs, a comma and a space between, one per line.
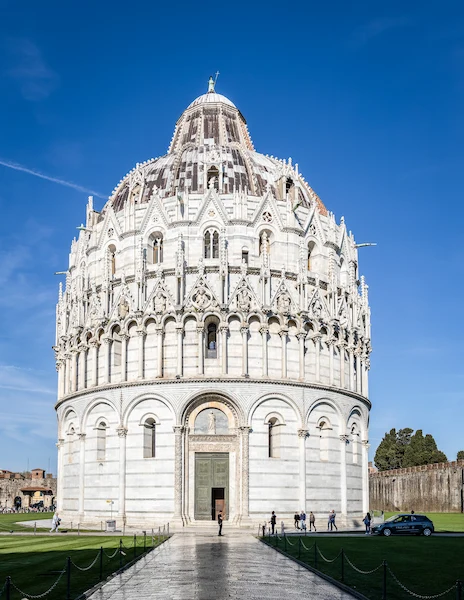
267, 216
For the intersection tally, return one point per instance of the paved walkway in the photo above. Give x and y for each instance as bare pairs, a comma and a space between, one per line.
202, 566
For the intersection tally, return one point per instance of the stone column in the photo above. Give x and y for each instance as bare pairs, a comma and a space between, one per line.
60, 369
331, 361
245, 446
159, 348
106, 358
367, 365
351, 369
358, 371
60, 474
223, 349
122, 434
343, 496
301, 341
283, 337
341, 349
94, 349
178, 471
141, 353
68, 373
244, 332
180, 333
365, 475
201, 349
124, 340
264, 330
302, 435
317, 348
81, 437
74, 356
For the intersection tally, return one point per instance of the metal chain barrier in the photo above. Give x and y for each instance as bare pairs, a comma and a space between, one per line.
110, 556
329, 560
86, 568
360, 570
411, 593
307, 549
3, 589
32, 597
289, 542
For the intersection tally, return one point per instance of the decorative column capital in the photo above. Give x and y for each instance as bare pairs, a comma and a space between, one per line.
178, 429
122, 432
344, 439
94, 343
317, 338
141, 332
124, 336
366, 444
245, 430
264, 330
200, 328
224, 328
179, 328
60, 443
301, 335
82, 436
107, 340
283, 332
303, 433
244, 329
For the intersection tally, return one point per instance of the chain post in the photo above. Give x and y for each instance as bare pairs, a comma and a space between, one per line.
299, 547
315, 554
384, 583
168, 528
285, 542
343, 566
120, 553
277, 540
101, 563
458, 589
8, 587
68, 578
135, 546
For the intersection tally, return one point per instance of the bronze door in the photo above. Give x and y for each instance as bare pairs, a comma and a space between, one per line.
211, 484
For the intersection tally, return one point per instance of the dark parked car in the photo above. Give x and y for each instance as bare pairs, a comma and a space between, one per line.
404, 524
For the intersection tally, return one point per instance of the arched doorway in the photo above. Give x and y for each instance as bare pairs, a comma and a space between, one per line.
214, 460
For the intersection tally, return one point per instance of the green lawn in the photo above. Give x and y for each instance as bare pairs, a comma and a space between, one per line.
8, 521
442, 521
34, 562
425, 565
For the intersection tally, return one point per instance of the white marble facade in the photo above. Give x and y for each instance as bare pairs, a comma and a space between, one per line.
214, 279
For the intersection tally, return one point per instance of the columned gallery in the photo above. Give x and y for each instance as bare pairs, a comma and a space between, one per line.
213, 341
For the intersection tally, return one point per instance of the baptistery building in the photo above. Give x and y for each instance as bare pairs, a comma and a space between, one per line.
212, 341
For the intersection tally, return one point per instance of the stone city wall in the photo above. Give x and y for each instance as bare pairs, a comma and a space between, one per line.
10, 488
436, 487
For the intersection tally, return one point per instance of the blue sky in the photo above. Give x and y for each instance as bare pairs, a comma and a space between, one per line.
367, 97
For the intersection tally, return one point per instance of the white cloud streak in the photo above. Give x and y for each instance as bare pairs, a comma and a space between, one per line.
17, 167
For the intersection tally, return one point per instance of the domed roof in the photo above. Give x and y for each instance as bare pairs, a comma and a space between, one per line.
211, 139
211, 98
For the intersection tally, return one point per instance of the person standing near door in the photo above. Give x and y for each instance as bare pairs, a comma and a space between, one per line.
273, 522
220, 520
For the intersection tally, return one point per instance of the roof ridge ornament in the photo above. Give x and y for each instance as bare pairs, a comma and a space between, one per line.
212, 83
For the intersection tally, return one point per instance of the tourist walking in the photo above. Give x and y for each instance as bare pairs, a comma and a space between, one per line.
303, 520
220, 519
273, 522
55, 523
312, 521
331, 521
367, 522
296, 520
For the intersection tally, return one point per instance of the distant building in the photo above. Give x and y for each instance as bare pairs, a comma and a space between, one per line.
212, 341
21, 490
372, 469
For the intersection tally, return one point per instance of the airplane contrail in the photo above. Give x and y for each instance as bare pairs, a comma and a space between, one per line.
75, 186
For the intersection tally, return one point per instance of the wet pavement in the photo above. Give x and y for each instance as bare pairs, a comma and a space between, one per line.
203, 566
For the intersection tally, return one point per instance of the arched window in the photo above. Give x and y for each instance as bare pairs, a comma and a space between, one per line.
211, 242
101, 441
71, 442
149, 438
310, 251
211, 341
245, 255
273, 438
157, 248
354, 442
324, 428
112, 259
212, 178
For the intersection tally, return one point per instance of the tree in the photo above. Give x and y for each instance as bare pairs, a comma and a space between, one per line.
405, 449
460, 455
